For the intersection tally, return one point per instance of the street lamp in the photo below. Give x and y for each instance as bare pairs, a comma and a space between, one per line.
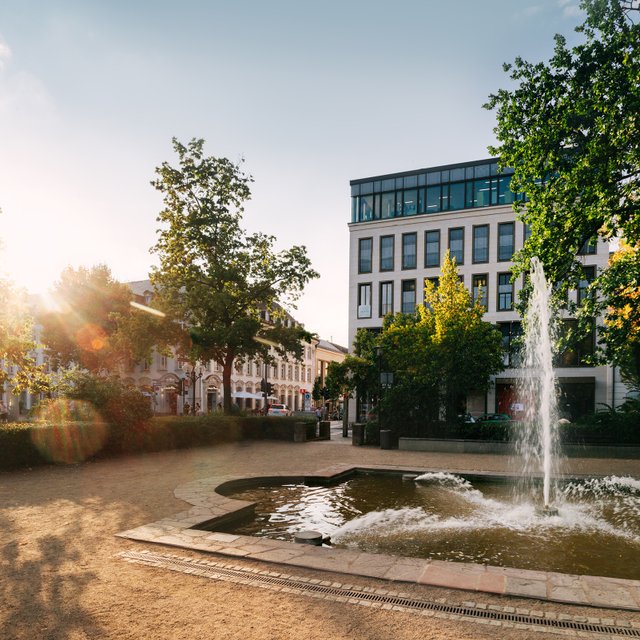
193, 376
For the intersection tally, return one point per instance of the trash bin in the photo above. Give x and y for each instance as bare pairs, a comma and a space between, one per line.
385, 439
357, 434
325, 430
300, 432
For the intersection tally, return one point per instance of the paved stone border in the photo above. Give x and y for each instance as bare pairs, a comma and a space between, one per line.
478, 612
210, 507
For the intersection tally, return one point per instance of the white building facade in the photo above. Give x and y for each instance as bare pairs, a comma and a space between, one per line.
401, 227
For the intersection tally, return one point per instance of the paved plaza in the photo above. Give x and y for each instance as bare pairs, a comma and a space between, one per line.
75, 541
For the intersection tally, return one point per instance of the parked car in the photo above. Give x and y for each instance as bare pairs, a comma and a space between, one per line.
494, 417
466, 418
278, 410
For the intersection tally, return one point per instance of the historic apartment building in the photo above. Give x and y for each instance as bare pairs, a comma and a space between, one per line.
171, 383
401, 226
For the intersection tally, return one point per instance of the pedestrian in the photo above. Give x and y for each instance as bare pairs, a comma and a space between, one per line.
186, 409
318, 414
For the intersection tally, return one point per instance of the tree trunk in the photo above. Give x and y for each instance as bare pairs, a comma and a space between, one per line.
226, 383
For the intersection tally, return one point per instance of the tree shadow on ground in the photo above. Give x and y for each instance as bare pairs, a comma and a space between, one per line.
41, 589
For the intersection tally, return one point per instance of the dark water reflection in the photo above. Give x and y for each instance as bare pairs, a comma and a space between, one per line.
442, 516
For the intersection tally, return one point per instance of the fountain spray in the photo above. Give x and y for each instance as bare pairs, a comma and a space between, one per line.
539, 390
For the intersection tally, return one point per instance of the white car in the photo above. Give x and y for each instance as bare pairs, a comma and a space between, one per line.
278, 410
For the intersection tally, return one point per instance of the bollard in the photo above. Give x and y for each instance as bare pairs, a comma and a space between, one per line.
385, 438
357, 434
300, 432
325, 430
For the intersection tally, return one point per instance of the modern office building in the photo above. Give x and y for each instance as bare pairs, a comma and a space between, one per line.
401, 226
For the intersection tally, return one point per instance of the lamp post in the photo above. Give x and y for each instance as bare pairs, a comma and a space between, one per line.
193, 377
379, 351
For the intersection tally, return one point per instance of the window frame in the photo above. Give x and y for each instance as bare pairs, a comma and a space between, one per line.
361, 285
426, 244
474, 260
511, 284
393, 252
415, 253
382, 284
415, 295
485, 288
449, 232
504, 225
360, 241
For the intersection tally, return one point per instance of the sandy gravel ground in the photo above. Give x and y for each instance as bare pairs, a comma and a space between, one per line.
60, 577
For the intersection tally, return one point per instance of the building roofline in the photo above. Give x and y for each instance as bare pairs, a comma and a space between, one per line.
442, 167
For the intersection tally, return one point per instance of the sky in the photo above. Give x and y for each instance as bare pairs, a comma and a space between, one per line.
310, 94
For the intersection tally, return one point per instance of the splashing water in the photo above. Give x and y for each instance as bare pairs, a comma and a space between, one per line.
537, 443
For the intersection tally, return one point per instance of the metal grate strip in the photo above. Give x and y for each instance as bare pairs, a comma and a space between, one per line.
218, 571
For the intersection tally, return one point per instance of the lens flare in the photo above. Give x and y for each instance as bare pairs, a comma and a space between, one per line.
91, 337
74, 431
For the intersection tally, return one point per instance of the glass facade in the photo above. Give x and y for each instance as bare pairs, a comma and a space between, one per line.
429, 191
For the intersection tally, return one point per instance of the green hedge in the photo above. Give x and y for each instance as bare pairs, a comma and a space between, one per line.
32, 444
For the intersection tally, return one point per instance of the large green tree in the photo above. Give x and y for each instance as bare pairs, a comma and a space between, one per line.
570, 129
219, 281
438, 355
91, 323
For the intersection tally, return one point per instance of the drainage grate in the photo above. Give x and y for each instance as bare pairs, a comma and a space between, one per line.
217, 571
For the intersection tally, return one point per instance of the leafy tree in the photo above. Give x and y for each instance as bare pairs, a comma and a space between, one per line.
214, 277
620, 287
445, 347
18, 366
570, 131
93, 324
438, 355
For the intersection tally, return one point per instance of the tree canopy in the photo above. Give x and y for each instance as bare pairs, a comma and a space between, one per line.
438, 355
229, 288
92, 324
570, 130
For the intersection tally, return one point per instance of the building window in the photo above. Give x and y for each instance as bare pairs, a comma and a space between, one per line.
480, 249
283, 372
386, 298
527, 232
409, 249
386, 253
511, 342
364, 300
290, 372
365, 249
163, 363
585, 282
580, 351
408, 296
456, 244
432, 248
505, 292
590, 247
480, 289
388, 205
410, 202
506, 241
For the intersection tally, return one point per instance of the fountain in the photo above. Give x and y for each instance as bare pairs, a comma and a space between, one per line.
586, 527
537, 442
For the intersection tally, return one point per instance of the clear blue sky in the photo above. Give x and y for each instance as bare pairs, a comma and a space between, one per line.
311, 94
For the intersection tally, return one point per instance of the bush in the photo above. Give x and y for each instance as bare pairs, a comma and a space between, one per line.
30, 444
